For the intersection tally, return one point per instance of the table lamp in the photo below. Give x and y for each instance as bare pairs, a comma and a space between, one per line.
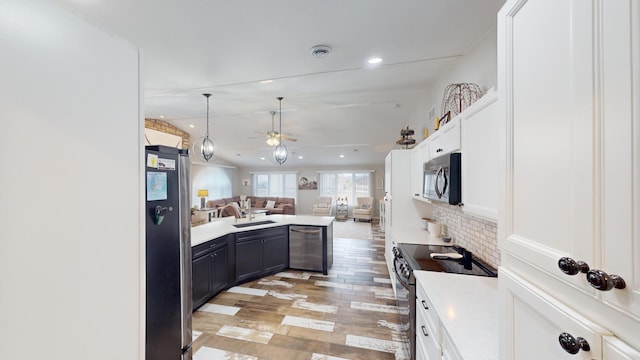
202, 193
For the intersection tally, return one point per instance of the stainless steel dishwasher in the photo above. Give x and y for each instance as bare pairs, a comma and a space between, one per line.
305, 247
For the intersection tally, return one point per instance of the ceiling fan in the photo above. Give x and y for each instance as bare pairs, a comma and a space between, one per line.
273, 137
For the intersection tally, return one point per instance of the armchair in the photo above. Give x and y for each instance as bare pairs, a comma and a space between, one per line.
363, 208
322, 206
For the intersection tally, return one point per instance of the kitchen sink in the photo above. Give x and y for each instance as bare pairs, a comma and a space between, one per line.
255, 223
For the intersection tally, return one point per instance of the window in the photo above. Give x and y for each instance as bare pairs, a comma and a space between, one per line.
346, 184
217, 180
275, 184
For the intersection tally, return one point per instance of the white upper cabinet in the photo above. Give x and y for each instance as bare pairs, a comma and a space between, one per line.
446, 140
418, 159
480, 157
569, 164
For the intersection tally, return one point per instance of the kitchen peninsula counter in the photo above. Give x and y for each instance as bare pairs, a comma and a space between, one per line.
224, 226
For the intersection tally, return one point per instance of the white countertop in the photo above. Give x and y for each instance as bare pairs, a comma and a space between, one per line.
467, 307
223, 226
415, 236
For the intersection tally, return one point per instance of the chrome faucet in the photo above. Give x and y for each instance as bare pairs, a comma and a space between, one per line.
251, 216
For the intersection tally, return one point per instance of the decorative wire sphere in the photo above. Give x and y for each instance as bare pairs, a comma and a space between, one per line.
202, 148
458, 97
280, 154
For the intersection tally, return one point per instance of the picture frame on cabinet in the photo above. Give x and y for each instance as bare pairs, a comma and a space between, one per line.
445, 119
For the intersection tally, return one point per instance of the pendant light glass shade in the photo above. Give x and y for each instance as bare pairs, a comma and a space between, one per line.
207, 148
207, 144
280, 153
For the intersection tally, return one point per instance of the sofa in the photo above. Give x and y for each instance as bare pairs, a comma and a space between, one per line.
273, 205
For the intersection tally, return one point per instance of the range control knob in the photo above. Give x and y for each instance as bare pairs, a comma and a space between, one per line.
573, 345
571, 267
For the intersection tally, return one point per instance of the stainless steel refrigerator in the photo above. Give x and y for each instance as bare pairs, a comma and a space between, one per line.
168, 254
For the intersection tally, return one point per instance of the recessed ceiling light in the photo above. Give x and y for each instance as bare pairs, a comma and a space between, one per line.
374, 61
192, 126
263, 158
161, 116
300, 157
266, 81
341, 155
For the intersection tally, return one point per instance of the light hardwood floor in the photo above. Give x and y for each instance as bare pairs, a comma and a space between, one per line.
348, 314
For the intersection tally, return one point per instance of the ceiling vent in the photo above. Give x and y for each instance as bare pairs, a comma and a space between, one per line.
320, 51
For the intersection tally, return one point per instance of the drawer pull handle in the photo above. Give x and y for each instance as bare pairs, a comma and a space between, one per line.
424, 331
424, 305
605, 282
571, 267
573, 345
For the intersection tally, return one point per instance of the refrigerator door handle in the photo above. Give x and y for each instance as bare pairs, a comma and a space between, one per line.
185, 256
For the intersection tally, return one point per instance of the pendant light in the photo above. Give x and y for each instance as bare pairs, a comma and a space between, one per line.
207, 143
280, 152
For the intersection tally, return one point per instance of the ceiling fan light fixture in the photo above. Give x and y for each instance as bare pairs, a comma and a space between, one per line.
280, 153
273, 141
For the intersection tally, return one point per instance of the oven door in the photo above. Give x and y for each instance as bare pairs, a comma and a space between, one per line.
406, 303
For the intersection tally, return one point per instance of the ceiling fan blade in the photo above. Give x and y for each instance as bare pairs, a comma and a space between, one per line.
286, 138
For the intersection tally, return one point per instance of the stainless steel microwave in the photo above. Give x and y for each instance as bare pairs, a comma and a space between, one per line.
442, 179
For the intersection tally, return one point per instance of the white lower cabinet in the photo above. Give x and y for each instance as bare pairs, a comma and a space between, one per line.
614, 349
538, 326
428, 329
427, 345
449, 351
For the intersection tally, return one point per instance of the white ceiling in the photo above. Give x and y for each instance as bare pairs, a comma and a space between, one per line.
336, 105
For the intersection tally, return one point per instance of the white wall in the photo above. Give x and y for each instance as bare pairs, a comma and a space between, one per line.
71, 248
478, 65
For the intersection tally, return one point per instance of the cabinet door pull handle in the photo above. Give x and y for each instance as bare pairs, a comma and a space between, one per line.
603, 281
424, 305
424, 331
571, 267
573, 345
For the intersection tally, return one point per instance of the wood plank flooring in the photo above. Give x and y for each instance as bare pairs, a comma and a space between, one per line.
348, 314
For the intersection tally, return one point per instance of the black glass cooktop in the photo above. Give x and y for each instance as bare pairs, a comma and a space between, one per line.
419, 258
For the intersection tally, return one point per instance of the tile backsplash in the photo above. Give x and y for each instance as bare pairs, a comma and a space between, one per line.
475, 234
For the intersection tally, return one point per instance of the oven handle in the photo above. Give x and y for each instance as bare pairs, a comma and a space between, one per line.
398, 276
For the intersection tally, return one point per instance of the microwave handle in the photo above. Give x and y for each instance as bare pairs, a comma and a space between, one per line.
439, 173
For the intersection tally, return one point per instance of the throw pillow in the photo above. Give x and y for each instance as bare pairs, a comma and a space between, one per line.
270, 204
364, 207
322, 205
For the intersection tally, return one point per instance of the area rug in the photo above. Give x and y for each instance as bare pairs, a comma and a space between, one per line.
352, 230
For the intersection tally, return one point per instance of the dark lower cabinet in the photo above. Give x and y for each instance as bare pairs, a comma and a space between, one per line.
248, 259
236, 258
275, 253
261, 252
210, 270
